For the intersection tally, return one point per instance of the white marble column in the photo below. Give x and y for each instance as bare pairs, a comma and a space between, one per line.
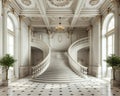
117, 26
4, 35
29, 44
4, 30
4, 20
17, 48
1, 38
117, 34
24, 66
90, 49
1, 29
95, 47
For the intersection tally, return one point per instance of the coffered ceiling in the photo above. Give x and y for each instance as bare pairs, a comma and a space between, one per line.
46, 13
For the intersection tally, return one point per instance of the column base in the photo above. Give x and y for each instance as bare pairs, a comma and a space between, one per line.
24, 71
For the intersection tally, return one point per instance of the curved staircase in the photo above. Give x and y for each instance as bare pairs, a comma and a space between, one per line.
41, 66
56, 66
72, 55
58, 71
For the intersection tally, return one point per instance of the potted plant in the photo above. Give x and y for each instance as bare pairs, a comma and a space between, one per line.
114, 62
7, 61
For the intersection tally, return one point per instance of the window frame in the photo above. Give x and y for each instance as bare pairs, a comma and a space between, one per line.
108, 34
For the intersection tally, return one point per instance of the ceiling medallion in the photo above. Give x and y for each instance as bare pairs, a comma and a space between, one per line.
94, 2
26, 2
60, 3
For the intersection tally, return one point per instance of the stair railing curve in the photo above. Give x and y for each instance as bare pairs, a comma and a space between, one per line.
39, 68
76, 66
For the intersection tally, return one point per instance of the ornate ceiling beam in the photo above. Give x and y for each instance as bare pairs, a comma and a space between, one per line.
84, 13
80, 5
42, 10
31, 13
81, 24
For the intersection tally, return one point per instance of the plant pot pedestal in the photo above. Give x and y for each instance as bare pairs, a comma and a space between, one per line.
115, 83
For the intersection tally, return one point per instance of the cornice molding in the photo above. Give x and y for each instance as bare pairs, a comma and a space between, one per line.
15, 6
107, 7
77, 11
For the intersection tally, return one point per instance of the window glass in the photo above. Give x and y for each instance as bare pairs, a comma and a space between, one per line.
10, 48
10, 24
110, 45
111, 24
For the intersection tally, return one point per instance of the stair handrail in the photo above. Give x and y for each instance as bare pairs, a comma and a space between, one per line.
43, 65
76, 66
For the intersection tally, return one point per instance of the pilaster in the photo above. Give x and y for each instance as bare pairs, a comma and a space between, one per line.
29, 48
1, 29
95, 46
90, 49
3, 33
23, 69
1, 38
116, 4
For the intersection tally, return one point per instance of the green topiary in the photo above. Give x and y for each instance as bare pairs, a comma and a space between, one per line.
7, 61
114, 62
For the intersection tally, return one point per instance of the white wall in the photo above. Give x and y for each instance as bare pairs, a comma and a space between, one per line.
60, 41
83, 56
24, 42
36, 56
24, 51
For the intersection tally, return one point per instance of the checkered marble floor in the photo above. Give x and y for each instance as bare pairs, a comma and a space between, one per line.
87, 87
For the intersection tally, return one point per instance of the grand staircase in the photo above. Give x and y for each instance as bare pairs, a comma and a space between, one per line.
58, 70
58, 67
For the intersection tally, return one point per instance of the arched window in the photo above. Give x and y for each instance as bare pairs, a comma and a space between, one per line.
10, 44
10, 24
110, 36
108, 33
10, 37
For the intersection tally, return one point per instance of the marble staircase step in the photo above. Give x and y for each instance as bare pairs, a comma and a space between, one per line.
58, 71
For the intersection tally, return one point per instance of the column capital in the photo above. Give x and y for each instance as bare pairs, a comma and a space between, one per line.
89, 28
21, 17
6, 3
115, 2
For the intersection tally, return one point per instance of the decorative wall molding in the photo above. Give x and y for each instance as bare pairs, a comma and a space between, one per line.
59, 38
106, 8
26, 2
93, 2
60, 3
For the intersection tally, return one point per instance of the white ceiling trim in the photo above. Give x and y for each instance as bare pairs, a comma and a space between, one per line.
80, 5
42, 10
